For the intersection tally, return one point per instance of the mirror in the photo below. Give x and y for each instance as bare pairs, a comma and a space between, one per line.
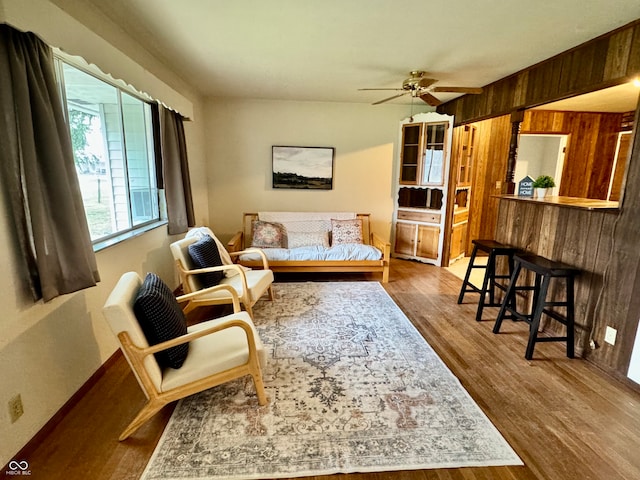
582, 142
540, 154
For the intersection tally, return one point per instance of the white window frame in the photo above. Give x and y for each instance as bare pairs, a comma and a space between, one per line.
123, 88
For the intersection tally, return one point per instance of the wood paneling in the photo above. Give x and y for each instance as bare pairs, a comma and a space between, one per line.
590, 151
605, 245
605, 61
491, 154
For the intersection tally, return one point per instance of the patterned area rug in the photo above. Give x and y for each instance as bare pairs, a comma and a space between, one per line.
353, 387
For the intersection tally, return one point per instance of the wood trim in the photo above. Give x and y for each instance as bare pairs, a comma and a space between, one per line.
58, 417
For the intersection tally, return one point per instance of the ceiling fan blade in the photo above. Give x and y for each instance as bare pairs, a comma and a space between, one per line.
457, 89
390, 98
396, 89
426, 82
429, 99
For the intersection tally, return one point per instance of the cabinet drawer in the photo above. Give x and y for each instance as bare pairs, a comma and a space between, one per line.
419, 216
460, 217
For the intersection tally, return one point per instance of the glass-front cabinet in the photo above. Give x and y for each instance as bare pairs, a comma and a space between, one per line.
421, 188
422, 157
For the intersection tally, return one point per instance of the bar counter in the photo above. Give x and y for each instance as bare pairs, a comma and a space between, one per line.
574, 231
570, 202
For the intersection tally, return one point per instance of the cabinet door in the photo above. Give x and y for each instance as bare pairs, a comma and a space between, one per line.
428, 239
433, 164
411, 153
465, 155
405, 238
458, 236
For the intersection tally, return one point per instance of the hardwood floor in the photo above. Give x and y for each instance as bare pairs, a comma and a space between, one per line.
565, 418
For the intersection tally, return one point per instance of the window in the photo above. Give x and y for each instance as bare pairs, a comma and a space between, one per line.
113, 147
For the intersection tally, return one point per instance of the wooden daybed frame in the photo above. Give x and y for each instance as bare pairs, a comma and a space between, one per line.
237, 243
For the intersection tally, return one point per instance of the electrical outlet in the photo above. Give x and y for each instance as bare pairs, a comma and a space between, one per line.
610, 335
16, 409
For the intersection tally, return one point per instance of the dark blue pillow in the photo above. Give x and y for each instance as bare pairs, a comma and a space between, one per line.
204, 253
161, 319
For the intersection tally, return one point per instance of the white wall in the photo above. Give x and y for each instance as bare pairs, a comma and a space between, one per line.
242, 132
47, 351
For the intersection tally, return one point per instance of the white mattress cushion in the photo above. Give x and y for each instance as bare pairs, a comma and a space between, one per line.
350, 251
214, 353
257, 280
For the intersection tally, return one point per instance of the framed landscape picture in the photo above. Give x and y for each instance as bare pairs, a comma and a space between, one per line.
308, 168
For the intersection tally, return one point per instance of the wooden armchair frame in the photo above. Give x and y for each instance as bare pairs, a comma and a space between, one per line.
139, 356
244, 279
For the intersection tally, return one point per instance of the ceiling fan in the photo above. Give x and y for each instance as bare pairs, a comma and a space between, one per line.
420, 86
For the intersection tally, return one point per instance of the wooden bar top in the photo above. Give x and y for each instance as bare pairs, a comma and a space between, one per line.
570, 202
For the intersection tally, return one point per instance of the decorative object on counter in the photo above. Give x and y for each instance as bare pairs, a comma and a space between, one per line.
542, 184
525, 187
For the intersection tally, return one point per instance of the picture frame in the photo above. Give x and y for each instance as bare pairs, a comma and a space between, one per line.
307, 168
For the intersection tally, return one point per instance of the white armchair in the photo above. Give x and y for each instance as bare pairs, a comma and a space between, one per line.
249, 284
219, 350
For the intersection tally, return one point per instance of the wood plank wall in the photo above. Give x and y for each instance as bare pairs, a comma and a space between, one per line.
608, 60
490, 166
604, 245
574, 236
591, 148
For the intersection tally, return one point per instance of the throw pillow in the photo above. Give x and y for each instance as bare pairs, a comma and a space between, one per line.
204, 253
268, 235
346, 231
161, 319
308, 239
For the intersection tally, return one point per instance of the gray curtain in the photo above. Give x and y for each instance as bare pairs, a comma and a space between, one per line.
39, 181
175, 172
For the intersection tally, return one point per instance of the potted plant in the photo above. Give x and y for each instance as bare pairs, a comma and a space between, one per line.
541, 184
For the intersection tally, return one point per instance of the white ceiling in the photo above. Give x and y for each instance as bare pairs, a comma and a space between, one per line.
325, 50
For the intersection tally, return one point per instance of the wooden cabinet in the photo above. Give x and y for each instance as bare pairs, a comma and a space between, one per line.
458, 240
465, 155
415, 240
428, 242
422, 184
411, 153
459, 202
405, 243
423, 153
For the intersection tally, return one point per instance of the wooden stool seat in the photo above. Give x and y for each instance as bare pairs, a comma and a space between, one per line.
489, 283
544, 270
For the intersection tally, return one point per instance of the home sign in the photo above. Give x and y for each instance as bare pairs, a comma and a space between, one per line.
525, 187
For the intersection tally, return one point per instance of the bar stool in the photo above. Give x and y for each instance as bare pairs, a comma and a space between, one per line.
489, 284
544, 270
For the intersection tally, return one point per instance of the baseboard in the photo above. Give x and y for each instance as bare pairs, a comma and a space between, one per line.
38, 438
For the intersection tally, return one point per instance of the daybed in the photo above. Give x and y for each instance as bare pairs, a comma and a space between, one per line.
312, 242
